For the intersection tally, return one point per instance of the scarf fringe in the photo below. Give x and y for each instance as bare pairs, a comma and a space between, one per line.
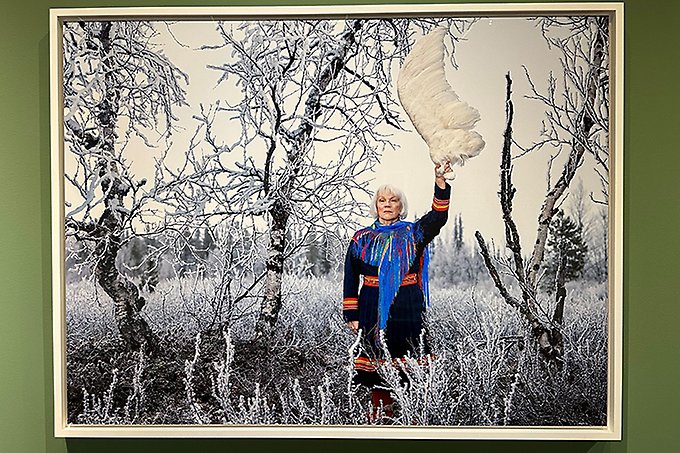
392, 249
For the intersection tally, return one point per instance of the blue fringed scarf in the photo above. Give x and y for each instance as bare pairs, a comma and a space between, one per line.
392, 249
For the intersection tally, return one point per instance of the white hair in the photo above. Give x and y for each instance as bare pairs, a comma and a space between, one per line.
388, 188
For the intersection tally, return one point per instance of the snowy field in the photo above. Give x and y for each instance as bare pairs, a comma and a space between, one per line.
487, 370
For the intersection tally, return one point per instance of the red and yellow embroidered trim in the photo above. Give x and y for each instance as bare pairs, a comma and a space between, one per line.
350, 303
440, 205
365, 364
409, 279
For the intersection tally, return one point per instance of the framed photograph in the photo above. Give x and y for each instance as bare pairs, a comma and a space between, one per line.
367, 221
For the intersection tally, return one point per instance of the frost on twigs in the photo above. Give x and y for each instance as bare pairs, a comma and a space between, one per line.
485, 373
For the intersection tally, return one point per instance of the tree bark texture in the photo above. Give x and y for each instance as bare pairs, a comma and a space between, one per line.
281, 209
575, 159
548, 337
271, 305
134, 330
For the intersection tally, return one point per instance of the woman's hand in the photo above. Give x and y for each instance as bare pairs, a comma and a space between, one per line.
439, 171
353, 326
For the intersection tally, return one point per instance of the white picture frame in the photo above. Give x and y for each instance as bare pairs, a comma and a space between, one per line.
609, 431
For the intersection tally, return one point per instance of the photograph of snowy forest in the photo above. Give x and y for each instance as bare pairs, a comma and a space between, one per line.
218, 176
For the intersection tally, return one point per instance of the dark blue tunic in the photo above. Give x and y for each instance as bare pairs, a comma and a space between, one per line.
405, 333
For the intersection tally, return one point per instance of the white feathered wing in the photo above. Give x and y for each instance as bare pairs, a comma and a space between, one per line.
440, 117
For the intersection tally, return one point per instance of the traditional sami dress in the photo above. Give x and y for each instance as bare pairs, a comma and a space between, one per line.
390, 262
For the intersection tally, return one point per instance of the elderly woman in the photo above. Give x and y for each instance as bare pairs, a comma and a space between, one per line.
391, 256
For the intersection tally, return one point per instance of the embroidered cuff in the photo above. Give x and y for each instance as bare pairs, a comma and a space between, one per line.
440, 205
350, 303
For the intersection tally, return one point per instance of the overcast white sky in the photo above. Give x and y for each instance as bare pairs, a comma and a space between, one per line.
491, 49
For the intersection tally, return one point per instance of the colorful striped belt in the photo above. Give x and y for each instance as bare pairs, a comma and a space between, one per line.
409, 279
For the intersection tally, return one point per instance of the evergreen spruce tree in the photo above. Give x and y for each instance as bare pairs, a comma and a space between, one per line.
566, 248
458, 232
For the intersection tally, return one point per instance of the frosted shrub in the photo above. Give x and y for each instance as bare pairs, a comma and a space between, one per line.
485, 370
102, 410
221, 381
189, 376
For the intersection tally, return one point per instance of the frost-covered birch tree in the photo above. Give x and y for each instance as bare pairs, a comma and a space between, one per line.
577, 112
117, 86
577, 101
304, 84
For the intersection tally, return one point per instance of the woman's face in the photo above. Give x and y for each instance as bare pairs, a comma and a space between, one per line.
388, 206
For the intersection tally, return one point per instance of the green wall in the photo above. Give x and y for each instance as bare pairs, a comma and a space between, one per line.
652, 162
